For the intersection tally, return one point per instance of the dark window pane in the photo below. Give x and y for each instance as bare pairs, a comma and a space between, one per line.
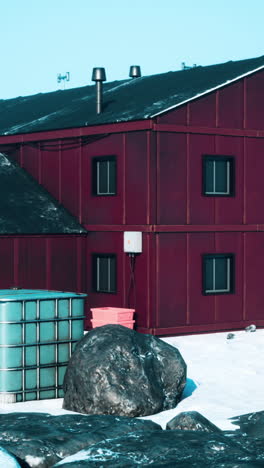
112, 177
102, 177
102, 272
218, 274
221, 274
112, 274
209, 286
221, 176
209, 176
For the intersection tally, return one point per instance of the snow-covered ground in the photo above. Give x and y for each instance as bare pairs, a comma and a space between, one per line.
225, 379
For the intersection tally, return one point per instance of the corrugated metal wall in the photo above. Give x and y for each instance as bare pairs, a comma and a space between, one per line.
64, 168
159, 192
179, 278
45, 262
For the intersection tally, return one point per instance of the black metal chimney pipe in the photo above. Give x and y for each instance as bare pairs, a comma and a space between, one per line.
99, 76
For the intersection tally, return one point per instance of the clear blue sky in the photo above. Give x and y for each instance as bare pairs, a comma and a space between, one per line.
40, 38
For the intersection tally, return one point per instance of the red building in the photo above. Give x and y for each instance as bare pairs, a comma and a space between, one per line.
176, 156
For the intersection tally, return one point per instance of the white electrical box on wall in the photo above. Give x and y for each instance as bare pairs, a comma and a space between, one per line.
132, 242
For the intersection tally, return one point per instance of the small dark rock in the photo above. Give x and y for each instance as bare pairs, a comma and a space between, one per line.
115, 370
230, 336
192, 421
251, 328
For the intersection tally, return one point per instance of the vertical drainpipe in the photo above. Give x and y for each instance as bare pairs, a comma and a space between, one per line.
99, 76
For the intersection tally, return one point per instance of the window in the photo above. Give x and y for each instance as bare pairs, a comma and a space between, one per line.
218, 176
104, 176
218, 274
104, 273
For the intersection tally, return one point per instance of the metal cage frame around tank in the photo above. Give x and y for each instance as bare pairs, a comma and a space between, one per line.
39, 298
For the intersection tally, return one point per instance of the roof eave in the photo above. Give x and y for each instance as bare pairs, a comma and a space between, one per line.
72, 132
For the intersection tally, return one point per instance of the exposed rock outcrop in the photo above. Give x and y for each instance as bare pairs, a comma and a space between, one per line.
183, 449
115, 370
41, 440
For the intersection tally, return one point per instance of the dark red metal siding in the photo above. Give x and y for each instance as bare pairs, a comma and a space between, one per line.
32, 262
63, 259
51, 262
107, 243
181, 303
64, 167
229, 307
253, 280
129, 206
255, 101
230, 111
229, 210
201, 308
136, 178
254, 186
7, 262
50, 174
236, 106
70, 180
141, 300
172, 181
171, 287
57, 168
102, 209
202, 112
178, 116
201, 209
179, 186
30, 159
159, 191
178, 272
112, 243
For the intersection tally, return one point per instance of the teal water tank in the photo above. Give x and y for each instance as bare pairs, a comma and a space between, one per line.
38, 332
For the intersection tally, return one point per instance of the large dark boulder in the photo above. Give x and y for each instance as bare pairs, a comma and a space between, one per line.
191, 421
40, 440
115, 370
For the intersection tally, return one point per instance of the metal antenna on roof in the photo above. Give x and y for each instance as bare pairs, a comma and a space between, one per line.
63, 78
187, 67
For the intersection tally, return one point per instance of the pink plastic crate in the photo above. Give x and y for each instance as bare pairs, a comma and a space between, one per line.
125, 323
108, 314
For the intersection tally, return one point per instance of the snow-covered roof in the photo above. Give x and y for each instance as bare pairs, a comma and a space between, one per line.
126, 100
27, 208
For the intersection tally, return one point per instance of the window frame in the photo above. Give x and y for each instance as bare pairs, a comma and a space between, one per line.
231, 275
230, 179
95, 273
95, 176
